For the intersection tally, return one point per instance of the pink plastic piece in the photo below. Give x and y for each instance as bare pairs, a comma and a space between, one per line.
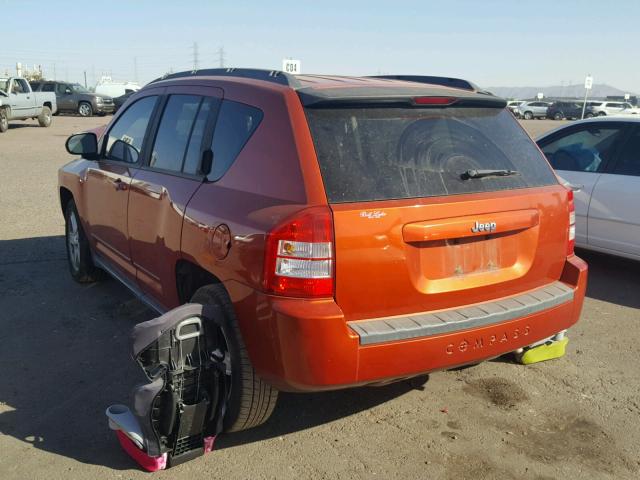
150, 464
208, 443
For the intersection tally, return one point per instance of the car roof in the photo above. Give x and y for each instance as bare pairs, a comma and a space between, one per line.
315, 89
608, 119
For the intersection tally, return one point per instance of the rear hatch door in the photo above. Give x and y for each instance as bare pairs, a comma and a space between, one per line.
435, 208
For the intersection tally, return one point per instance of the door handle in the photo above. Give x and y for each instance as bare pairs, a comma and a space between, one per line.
119, 184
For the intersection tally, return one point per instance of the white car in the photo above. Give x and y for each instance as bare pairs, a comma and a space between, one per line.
601, 109
601, 156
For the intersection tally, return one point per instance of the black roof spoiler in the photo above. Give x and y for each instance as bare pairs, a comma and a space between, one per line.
442, 81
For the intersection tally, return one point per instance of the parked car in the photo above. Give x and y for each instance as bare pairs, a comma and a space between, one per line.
513, 106
529, 110
119, 101
602, 157
410, 232
18, 102
74, 98
561, 110
601, 109
116, 89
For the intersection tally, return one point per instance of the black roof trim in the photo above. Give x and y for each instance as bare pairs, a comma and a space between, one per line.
273, 76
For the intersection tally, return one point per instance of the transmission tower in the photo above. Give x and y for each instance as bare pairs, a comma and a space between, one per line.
195, 56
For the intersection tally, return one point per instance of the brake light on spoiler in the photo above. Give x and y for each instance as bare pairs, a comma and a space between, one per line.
436, 101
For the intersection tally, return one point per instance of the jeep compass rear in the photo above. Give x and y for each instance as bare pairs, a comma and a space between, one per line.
353, 230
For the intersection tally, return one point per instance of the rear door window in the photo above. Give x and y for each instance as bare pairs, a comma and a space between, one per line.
234, 127
629, 159
174, 132
585, 150
368, 154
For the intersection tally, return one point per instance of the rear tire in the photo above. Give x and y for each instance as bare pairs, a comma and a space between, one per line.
4, 121
558, 116
44, 120
589, 115
528, 115
251, 400
78, 252
85, 109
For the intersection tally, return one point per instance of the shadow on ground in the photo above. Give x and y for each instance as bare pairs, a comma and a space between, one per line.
68, 349
612, 279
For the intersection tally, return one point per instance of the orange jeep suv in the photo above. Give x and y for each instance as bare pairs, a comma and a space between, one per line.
353, 230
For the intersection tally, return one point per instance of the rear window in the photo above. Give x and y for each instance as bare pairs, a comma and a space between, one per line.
368, 154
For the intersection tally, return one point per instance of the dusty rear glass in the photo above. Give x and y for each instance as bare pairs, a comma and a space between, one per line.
368, 154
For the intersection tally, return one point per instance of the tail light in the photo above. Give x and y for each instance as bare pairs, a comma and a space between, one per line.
433, 100
572, 224
299, 255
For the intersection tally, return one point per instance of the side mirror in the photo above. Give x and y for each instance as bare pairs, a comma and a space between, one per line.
85, 144
67, 91
207, 162
123, 152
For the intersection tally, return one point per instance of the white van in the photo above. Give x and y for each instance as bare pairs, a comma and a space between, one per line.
116, 89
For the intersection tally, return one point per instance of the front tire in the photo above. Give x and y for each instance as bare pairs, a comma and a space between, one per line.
558, 116
85, 109
44, 120
251, 400
78, 252
589, 115
4, 121
528, 115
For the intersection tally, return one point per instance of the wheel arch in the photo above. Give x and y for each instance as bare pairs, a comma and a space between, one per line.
65, 197
190, 277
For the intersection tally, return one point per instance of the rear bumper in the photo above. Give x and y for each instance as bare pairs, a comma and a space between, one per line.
303, 345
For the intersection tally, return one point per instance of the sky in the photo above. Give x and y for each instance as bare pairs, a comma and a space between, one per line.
491, 42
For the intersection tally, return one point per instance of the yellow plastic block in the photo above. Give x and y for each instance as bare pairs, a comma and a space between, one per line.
544, 352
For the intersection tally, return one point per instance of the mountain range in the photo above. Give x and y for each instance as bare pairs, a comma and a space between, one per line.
600, 90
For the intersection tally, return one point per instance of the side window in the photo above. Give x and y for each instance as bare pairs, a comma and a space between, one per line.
583, 151
235, 124
629, 159
18, 86
61, 88
174, 132
125, 138
48, 87
194, 149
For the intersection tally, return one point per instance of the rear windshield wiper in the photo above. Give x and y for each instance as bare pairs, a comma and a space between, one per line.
488, 173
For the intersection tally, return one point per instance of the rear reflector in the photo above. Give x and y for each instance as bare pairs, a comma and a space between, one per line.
299, 255
433, 100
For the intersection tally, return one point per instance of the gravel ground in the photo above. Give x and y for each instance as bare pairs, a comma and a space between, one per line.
65, 353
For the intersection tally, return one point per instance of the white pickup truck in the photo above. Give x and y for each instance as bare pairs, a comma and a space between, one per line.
19, 102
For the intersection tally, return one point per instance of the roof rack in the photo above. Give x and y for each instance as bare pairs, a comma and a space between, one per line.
274, 76
443, 81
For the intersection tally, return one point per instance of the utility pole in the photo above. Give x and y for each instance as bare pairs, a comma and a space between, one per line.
85, 79
221, 57
135, 69
195, 56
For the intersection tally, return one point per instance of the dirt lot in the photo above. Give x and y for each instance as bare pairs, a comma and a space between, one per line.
65, 355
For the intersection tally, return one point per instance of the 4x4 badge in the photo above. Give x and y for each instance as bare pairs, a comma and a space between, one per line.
483, 227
